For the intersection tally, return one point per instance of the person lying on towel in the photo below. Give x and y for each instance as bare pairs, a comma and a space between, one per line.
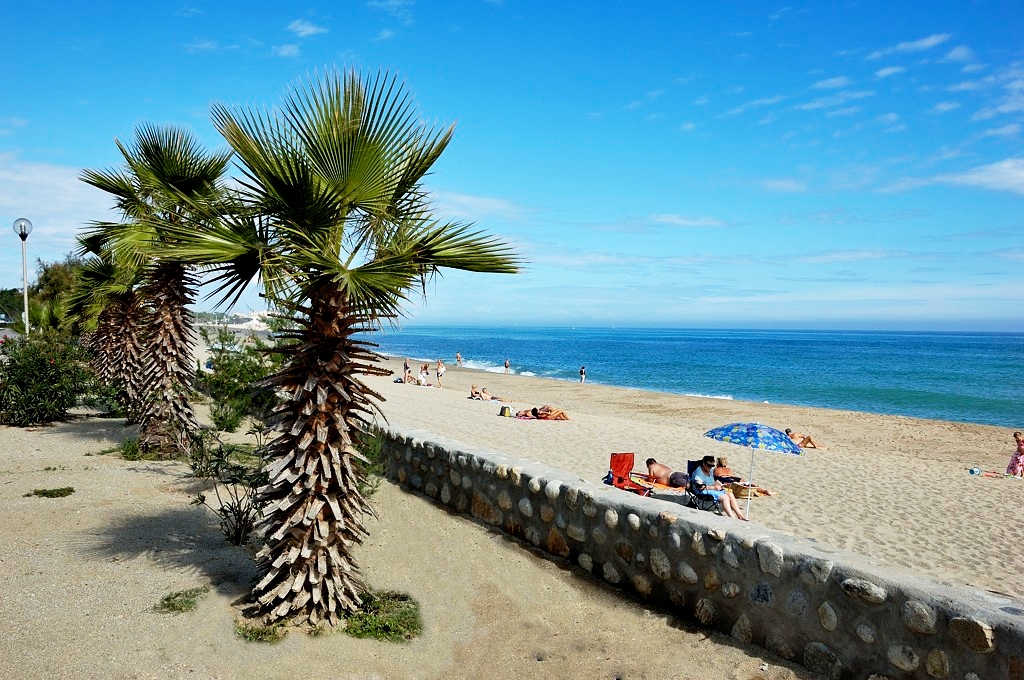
544, 412
663, 474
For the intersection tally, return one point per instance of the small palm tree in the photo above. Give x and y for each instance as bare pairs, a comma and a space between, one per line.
332, 218
167, 174
108, 303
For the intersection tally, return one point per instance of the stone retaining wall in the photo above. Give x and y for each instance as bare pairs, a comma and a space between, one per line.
836, 613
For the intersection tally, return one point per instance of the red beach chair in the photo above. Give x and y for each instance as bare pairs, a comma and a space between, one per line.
620, 474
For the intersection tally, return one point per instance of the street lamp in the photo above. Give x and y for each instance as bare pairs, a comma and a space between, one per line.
23, 228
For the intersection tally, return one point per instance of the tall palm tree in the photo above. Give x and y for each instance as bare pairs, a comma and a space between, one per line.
167, 175
107, 301
332, 218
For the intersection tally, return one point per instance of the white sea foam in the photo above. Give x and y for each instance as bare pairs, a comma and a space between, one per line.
725, 397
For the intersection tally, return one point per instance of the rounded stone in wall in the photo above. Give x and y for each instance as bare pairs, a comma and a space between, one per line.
813, 570
585, 561
730, 557
775, 643
866, 633
642, 585
609, 573
686, 573
864, 590
730, 589
455, 477
660, 564
431, 489
576, 532
462, 502
652, 530
402, 475
771, 557
624, 551
827, 617
535, 485
547, 513
711, 580
517, 476
918, 617
697, 544
408, 455
502, 472
611, 518
431, 452
533, 535
796, 604
504, 500
599, 535
716, 534
820, 659
589, 506
467, 483
903, 657
976, 635
741, 630
553, 489
937, 664
446, 494
762, 593
526, 507
571, 496
675, 539
705, 612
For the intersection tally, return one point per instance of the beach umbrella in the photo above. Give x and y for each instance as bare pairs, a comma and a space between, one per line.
757, 437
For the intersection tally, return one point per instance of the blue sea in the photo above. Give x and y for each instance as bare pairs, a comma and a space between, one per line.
966, 377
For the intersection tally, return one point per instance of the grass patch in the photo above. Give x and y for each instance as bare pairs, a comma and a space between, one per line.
386, 615
53, 493
131, 450
181, 601
252, 631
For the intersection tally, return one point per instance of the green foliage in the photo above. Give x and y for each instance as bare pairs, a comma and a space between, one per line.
56, 279
252, 631
237, 474
181, 601
231, 386
12, 303
41, 378
60, 492
386, 615
371, 446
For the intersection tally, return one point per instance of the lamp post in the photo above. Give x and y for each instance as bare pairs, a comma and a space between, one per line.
23, 228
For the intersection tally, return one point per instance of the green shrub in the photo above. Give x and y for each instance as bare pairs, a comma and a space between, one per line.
237, 367
181, 601
41, 378
254, 631
386, 615
237, 473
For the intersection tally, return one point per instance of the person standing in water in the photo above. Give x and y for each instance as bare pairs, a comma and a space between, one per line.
583, 374
458, 358
506, 366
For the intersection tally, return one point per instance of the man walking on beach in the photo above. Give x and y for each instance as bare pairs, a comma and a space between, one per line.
583, 374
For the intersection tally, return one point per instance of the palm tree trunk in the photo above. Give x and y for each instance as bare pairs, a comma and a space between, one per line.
133, 340
169, 423
315, 510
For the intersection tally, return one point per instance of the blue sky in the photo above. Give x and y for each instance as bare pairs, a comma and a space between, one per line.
840, 165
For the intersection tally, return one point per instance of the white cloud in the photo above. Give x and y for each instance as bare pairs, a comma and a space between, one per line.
9, 125
687, 127
681, 221
847, 111
654, 94
385, 35
1010, 130
972, 68
1011, 104
57, 203
943, 107
959, 54
200, 46
784, 186
399, 9
304, 29
887, 118
764, 101
835, 100
1005, 175
286, 51
832, 83
911, 46
889, 71
467, 207
701, 100
829, 257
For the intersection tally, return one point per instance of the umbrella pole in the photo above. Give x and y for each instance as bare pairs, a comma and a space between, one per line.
750, 481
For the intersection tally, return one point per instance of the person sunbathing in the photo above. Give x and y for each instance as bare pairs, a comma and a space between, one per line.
544, 412
723, 473
804, 441
482, 394
663, 474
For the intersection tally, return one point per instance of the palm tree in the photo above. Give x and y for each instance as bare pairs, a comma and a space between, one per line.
167, 175
332, 219
107, 301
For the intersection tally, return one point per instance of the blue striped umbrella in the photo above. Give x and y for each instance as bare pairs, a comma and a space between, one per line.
757, 437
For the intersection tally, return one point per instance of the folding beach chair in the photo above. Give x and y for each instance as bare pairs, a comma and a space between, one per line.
699, 497
621, 475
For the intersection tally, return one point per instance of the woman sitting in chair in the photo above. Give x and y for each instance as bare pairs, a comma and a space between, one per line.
705, 476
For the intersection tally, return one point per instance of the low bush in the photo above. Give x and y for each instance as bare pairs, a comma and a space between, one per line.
60, 492
236, 368
237, 473
181, 601
386, 615
41, 378
253, 631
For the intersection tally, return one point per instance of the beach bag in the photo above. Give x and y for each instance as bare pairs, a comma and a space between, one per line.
742, 490
505, 411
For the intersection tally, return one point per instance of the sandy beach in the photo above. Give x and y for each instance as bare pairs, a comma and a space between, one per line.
84, 572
